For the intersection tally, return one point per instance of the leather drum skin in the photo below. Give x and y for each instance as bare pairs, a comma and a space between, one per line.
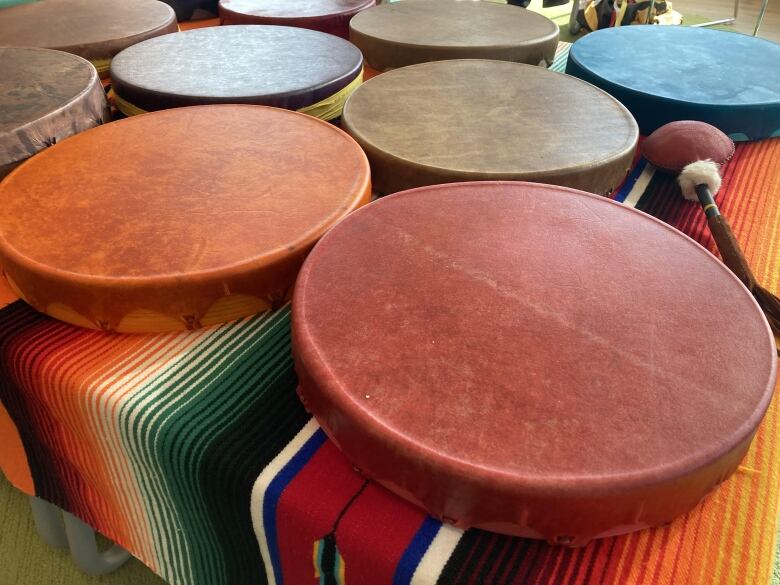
729, 81
530, 359
94, 29
677, 144
417, 31
472, 120
196, 216
45, 96
277, 66
329, 16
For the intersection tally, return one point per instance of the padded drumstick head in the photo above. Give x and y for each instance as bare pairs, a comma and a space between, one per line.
677, 144
702, 172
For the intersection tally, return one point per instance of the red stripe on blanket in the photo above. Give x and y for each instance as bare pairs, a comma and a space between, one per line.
372, 535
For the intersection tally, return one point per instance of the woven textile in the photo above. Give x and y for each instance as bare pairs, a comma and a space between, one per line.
193, 451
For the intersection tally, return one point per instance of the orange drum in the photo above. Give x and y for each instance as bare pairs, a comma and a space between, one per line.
32, 120
177, 219
94, 29
530, 359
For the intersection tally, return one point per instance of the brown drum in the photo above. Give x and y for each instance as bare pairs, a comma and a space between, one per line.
176, 219
416, 31
94, 29
31, 119
530, 359
469, 120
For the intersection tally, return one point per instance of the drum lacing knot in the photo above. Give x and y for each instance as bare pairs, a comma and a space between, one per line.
191, 322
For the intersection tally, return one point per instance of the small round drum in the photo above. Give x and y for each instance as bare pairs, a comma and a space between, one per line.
94, 29
417, 31
176, 219
45, 96
471, 120
530, 359
277, 66
329, 16
683, 73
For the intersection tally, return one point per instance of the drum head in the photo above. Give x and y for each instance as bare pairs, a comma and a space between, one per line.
727, 80
45, 96
93, 29
330, 16
530, 359
466, 120
267, 65
176, 219
416, 31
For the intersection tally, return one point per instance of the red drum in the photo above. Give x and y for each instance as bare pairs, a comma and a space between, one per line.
330, 16
530, 359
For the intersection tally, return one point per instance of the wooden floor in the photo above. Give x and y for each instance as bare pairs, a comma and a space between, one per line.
746, 15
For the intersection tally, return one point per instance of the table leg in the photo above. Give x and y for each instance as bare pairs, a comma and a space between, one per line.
49, 523
760, 19
84, 551
722, 20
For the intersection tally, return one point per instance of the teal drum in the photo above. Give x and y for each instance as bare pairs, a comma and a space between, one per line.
667, 73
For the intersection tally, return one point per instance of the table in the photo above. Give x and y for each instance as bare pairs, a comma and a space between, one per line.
193, 452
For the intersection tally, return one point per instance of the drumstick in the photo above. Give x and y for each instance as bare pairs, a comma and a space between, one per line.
701, 181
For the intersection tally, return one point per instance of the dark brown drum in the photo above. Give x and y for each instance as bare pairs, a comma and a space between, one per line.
279, 66
530, 359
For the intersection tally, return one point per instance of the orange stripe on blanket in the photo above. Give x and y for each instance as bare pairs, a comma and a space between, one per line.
202, 23
726, 539
13, 459
7, 296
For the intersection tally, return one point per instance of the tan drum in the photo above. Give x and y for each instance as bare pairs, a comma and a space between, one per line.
470, 120
416, 31
94, 29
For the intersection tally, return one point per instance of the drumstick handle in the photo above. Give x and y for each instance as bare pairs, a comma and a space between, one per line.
727, 244
734, 259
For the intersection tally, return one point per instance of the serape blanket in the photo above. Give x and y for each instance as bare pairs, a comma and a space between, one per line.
193, 452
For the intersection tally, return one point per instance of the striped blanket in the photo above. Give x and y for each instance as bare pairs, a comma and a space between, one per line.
193, 452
